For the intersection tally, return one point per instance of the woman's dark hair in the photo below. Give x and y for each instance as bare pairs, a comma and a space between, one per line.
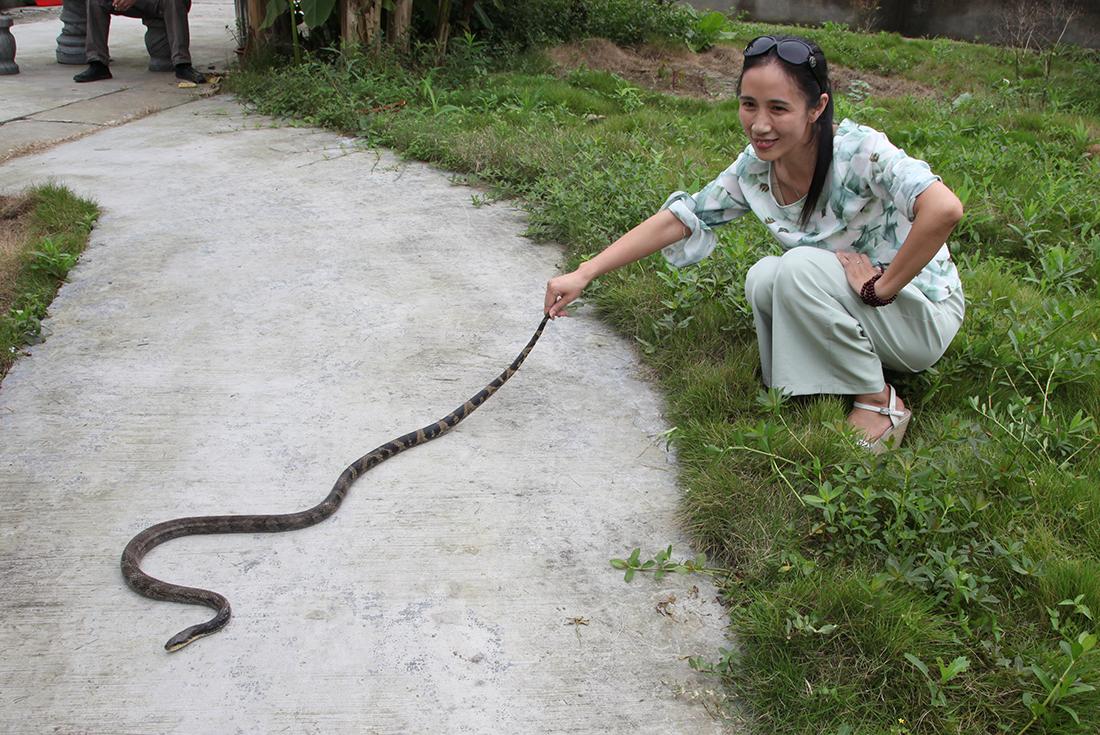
812, 81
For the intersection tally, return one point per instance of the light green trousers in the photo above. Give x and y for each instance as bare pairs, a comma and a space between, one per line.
817, 336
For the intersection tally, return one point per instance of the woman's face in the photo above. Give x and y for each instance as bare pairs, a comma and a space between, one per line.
774, 113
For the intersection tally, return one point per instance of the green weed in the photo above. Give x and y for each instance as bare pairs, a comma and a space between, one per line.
58, 232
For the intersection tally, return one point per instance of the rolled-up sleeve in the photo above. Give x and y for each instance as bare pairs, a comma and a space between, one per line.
894, 175
715, 204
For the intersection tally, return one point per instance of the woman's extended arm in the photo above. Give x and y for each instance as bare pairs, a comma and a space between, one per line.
936, 212
647, 238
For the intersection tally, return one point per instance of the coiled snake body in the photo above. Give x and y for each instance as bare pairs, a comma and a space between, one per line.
158, 534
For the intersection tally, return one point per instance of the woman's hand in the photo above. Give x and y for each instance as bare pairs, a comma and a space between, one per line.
562, 290
660, 230
858, 269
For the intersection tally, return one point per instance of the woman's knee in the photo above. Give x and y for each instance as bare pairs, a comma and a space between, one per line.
915, 357
810, 267
759, 282
909, 360
808, 258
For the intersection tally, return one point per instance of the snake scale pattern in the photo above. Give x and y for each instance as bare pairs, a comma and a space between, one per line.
158, 534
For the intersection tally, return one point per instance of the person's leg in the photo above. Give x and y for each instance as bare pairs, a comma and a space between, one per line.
95, 42
912, 333
818, 343
908, 335
759, 283
175, 13
156, 44
826, 340
179, 32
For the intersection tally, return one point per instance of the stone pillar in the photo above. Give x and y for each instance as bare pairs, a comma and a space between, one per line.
7, 47
70, 44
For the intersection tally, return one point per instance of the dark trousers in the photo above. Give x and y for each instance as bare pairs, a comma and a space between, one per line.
173, 13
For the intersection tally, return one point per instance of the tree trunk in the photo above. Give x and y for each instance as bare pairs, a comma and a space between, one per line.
443, 30
397, 30
360, 22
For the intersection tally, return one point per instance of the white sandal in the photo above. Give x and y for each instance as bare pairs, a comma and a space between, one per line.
899, 422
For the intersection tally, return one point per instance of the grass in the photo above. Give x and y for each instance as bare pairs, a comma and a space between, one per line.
47, 230
948, 587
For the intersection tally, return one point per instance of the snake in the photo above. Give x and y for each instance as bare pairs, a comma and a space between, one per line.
155, 535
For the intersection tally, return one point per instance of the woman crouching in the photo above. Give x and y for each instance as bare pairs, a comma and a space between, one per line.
865, 279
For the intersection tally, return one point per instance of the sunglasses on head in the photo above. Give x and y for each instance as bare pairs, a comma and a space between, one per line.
791, 50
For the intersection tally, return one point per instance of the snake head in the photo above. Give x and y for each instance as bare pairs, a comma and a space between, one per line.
181, 639
188, 635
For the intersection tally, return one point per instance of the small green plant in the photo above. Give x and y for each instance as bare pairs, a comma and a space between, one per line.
1059, 687
799, 624
858, 91
51, 260
939, 685
709, 28
629, 97
662, 564
20, 326
437, 108
1044, 437
724, 665
469, 53
1060, 269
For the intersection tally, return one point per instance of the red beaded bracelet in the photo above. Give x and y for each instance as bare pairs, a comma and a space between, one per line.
868, 296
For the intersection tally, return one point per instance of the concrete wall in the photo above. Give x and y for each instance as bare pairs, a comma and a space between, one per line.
971, 20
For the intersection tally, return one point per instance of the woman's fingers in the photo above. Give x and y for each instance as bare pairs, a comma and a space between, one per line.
558, 297
562, 291
554, 292
857, 268
848, 258
557, 308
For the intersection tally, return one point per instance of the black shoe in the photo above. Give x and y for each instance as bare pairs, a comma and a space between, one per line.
188, 73
96, 70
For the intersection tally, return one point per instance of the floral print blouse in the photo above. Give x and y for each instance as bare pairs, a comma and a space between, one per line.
866, 206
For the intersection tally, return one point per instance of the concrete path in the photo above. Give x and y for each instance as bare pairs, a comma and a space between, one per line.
259, 306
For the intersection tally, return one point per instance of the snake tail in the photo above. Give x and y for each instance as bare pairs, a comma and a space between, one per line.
155, 535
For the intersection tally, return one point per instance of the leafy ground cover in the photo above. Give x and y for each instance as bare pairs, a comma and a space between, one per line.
950, 586
44, 232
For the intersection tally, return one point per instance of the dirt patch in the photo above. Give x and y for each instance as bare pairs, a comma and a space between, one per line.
15, 214
711, 74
